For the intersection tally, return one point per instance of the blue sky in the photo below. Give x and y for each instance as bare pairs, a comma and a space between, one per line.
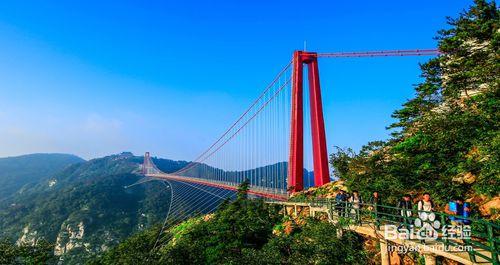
100, 77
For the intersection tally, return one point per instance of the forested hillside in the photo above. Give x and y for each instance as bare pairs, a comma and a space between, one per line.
86, 208
27, 170
446, 139
243, 231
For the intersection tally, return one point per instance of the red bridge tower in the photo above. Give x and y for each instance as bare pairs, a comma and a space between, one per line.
320, 157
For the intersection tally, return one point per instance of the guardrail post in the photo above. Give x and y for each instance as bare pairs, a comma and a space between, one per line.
375, 210
330, 210
493, 248
443, 222
358, 215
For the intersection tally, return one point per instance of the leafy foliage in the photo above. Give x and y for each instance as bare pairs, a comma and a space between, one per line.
134, 250
241, 231
316, 242
447, 137
40, 253
242, 224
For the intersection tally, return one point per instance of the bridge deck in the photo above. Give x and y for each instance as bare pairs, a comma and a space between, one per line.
269, 193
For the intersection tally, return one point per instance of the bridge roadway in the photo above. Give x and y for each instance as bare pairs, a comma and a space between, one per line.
269, 193
430, 250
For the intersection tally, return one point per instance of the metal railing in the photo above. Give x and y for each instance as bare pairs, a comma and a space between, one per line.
479, 237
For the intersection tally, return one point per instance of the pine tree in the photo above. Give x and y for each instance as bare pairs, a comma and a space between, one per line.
447, 137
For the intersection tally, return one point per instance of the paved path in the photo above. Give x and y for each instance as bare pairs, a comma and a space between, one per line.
430, 249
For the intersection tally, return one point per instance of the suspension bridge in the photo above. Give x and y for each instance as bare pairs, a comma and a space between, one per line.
267, 146
277, 144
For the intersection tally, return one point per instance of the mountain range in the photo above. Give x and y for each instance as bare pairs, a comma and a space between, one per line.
81, 206
86, 207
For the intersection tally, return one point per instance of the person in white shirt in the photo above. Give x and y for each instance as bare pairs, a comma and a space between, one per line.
426, 203
425, 208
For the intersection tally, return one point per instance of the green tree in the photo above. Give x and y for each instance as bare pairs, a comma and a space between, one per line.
243, 190
316, 242
240, 231
447, 137
40, 253
136, 249
236, 226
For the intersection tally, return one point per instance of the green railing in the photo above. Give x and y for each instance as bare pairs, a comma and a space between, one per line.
478, 237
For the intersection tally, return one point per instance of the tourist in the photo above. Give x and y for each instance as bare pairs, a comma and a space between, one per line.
340, 201
426, 203
356, 201
376, 202
425, 207
406, 209
456, 207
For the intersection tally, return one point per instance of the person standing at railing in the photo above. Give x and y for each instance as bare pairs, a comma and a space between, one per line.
457, 207
376, 202
406, 210
347, 208
340, 202
356, 201
375, 205
425, 205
